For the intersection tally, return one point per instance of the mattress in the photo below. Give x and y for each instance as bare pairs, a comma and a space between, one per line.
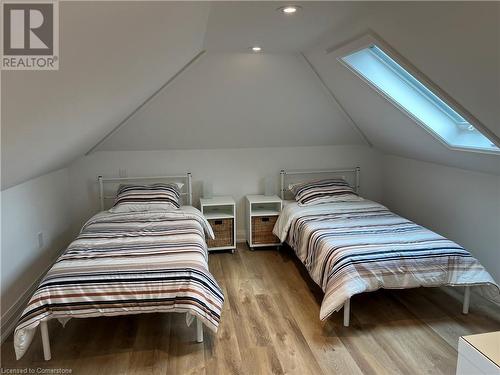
354, 247
128, 263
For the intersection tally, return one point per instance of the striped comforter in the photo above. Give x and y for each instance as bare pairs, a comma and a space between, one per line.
128, 263
355, 247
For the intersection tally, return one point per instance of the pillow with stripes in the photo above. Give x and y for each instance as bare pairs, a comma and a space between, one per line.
155, 197
323, 191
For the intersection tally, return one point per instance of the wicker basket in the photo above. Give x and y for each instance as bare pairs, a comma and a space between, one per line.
223, 230
262, 230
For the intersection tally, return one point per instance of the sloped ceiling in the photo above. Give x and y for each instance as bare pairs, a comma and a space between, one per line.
460, 56
235, 26
113, 55
233, 98
238, 100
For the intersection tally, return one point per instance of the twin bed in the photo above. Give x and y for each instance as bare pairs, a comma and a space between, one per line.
351, 246
131, 261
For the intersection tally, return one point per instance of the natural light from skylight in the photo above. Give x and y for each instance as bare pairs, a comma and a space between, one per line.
413, 97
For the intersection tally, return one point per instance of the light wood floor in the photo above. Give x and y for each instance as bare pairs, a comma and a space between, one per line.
269, 325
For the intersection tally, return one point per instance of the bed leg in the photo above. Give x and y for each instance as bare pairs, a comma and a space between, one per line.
45, 340
199, 330
347, 311
465, 309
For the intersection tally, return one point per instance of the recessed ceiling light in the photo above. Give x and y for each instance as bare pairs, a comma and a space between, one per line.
256, 49
289, 9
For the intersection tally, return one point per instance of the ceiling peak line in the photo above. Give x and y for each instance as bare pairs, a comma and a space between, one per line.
334, 99
147, 100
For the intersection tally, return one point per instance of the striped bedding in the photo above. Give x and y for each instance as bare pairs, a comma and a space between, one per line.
152, 197
355, 247
128, 263
323, 191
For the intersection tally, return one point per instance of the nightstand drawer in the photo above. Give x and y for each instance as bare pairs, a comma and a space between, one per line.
262, 230
223, 230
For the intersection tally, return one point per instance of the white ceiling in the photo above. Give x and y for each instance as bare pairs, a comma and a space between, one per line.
236, 26
230, 100
113, 55
447, 51
234, 96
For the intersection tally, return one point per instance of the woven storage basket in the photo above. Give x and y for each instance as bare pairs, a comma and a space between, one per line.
223, 230
262, 230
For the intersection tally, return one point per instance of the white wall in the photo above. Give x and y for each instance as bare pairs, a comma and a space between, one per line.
38, 205
234, 172
437, 50
459, 204
234, 100
106, 71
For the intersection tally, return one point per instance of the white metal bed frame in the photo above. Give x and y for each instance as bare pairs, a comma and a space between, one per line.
187, 193
297, 172
341, 173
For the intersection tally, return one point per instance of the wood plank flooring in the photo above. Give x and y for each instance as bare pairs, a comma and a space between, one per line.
270, 325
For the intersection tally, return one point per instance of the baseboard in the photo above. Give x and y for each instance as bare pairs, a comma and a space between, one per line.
9, 320
241, 236
12, 315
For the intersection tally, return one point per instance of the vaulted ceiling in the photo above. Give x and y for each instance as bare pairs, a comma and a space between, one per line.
113, 55
461, 57
238, 100
231, 97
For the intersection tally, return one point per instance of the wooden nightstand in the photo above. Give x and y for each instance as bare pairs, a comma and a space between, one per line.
221, 214
262, 212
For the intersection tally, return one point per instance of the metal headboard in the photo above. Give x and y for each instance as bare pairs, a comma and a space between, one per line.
187, 190
306, 175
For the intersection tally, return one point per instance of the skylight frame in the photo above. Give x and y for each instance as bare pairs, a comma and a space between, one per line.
370, 39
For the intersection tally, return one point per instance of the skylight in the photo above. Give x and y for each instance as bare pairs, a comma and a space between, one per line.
409, 94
